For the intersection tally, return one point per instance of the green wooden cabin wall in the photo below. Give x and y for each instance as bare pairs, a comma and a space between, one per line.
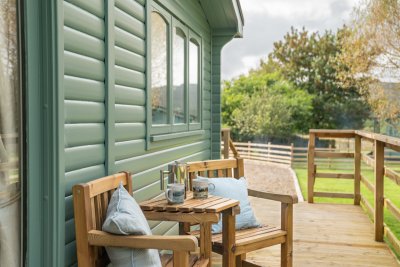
105, 99
218, 43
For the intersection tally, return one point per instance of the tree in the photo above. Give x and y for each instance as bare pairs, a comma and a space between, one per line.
371, 51
265, 105
309, 61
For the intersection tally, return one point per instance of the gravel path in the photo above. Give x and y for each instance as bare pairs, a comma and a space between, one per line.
270, 177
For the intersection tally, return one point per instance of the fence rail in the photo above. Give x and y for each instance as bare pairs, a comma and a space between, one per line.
379, 160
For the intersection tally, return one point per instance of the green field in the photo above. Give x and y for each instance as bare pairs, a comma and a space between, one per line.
392, 191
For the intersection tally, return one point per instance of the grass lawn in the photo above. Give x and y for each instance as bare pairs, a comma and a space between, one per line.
392, 191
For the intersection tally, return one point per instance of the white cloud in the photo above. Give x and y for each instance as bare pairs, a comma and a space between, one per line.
295, 9
267, 21
250, 62
292, 9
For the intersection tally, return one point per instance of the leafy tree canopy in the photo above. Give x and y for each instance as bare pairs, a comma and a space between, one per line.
309, 61
371, 52
263, 104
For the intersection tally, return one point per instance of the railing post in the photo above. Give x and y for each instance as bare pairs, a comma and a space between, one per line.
379, 198
311, 168
291, 154
225, 137
357, 169
330, 159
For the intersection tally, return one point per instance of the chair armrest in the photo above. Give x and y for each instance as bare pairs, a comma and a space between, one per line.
288, 199
175, 243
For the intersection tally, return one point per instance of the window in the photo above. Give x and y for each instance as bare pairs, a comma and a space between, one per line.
175, 83
159, 34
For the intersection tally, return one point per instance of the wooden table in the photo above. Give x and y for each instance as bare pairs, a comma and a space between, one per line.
203, 212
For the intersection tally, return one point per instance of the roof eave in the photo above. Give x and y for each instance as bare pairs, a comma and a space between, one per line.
224, 16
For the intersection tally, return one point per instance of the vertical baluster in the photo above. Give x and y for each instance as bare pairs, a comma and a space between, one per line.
311, 168
225, 138
379, 189
357, 169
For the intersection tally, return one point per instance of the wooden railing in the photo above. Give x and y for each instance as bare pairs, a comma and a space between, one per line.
296, 156
227, 144
377, 161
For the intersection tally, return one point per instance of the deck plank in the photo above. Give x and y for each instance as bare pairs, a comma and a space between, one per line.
325, 235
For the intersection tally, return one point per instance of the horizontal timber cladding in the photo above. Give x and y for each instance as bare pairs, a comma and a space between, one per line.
130, 129
89, 42
84, 105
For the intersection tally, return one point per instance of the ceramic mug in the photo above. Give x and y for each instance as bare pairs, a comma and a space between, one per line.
175, 193
201, 187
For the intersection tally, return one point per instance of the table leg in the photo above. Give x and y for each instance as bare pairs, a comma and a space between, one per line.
228, 238
184, 228
205, 241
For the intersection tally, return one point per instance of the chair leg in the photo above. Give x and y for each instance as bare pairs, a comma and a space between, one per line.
287, 225
286, 255
181, 258
239, 260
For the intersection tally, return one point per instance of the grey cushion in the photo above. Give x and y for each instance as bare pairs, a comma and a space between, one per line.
124, 217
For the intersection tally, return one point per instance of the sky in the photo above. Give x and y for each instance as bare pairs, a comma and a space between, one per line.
267, 21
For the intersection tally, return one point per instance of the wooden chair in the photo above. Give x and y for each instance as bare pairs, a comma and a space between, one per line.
248, 240
90, 209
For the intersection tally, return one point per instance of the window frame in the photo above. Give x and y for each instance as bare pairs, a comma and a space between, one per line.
171, 130
198, 40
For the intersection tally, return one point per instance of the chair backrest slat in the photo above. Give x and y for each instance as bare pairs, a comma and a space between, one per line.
90, 209
104, 204
93, 213
216, 168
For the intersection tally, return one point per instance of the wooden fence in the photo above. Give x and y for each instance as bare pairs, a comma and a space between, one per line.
297, 156
376, 161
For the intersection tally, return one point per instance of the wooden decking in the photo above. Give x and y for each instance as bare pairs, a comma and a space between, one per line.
325, 235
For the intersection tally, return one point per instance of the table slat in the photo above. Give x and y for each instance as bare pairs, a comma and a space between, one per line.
202, 208
223, 206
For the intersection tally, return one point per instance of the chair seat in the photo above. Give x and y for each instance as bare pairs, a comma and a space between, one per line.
247, 240
194, 261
